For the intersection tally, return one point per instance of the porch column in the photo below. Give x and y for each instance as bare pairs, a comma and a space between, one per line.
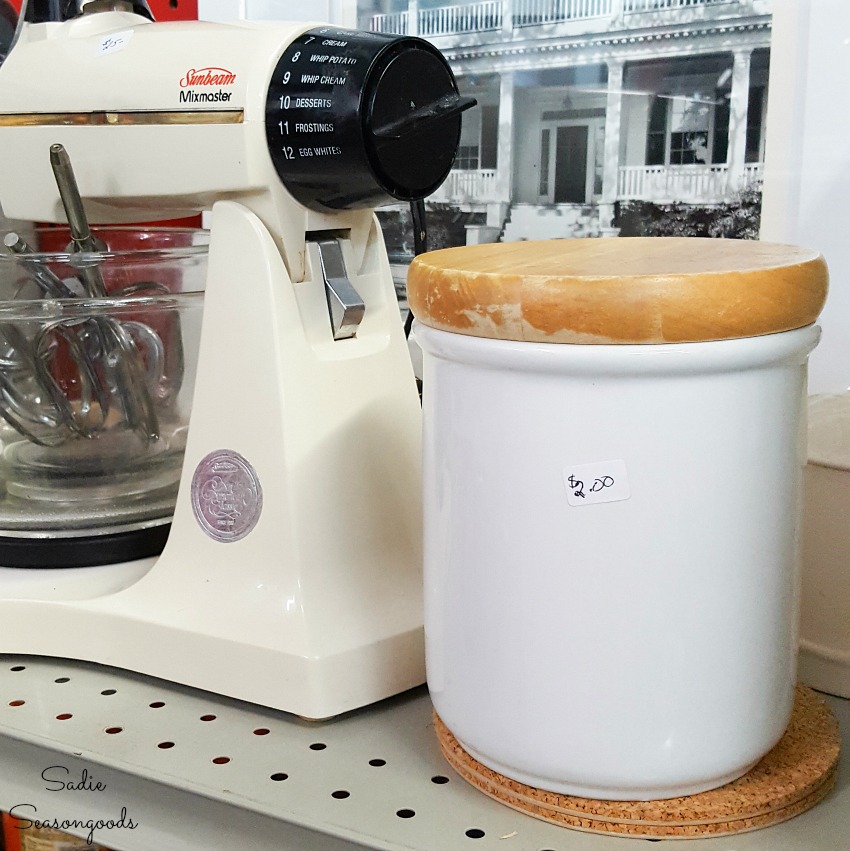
738, 106
507, 17
505, 145
413, 17
613, 121
618, 13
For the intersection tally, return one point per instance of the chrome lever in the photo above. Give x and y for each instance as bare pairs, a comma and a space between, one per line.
345, 306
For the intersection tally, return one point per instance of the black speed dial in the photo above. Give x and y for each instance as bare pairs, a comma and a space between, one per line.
357, 119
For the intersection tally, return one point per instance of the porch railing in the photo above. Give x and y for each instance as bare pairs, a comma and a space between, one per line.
476, 17
684, 183
468, 186
662, 184
533, 12
667, 5
488, 15
395, 23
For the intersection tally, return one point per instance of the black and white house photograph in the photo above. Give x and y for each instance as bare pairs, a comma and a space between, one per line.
595, 118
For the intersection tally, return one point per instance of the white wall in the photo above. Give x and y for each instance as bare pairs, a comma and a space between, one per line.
340, 12
807, 161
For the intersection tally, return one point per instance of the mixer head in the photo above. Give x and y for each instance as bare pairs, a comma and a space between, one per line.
306, 125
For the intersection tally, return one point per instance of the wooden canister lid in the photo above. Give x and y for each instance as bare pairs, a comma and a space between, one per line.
619, 290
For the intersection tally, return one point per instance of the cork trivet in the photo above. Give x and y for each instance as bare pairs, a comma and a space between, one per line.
792, 778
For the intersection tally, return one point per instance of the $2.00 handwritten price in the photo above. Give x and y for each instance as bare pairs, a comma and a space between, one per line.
603, 481
599, 483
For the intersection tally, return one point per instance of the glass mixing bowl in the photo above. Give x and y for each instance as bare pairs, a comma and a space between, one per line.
95, 391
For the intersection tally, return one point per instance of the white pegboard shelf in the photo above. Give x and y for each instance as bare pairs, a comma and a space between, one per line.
198, 772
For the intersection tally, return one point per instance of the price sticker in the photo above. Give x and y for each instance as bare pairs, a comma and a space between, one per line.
113, 43
604, 481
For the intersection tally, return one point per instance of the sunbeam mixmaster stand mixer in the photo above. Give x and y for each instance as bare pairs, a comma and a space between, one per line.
305, 403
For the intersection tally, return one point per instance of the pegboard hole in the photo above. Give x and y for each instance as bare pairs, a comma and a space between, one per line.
439, 779
64, 716
475, 833
318, 746
405, 813
18, 668
17, 702
113, 730
279, 776
62, 680
340, 794
262, 731
165, 745
157, 704
221, 760
377, 762
109, 691
208, 717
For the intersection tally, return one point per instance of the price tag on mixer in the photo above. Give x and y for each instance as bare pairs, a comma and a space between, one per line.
113, 42
604, 481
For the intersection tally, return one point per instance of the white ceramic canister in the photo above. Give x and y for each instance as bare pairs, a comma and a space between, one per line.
613, 446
